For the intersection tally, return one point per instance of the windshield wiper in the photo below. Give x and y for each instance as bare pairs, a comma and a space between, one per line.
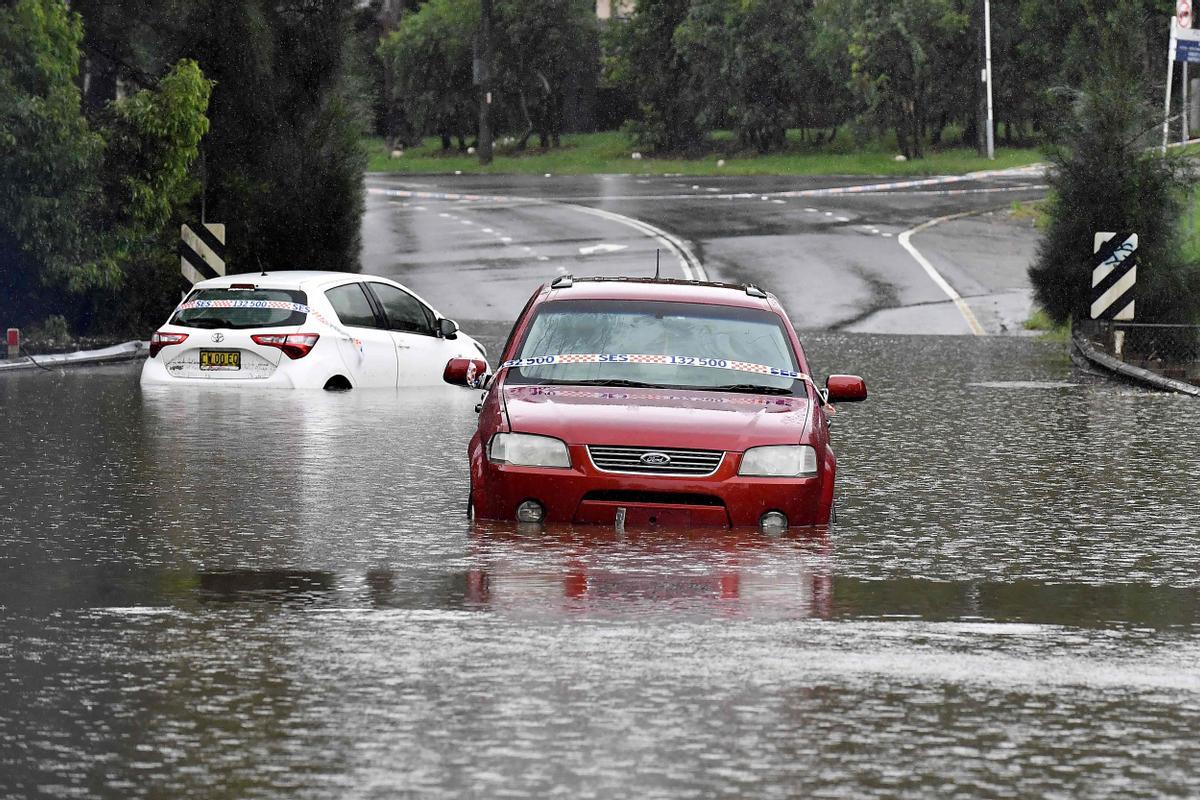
609, 382
750, 388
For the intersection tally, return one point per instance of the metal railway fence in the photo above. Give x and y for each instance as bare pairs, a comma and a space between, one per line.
1169, 350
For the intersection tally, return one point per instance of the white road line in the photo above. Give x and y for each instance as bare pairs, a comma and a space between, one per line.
689, 264
906, 243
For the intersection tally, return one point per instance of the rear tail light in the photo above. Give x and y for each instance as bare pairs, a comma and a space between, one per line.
293, 345
162, 339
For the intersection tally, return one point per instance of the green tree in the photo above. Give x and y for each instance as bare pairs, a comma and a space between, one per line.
429, 57
895, 50
283, 160
749, 62
539, 48
84, 201
644, 58
1103, 178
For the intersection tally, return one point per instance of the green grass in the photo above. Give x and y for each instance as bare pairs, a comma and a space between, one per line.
611, 152
1050, 331
1031, 211
1190, 228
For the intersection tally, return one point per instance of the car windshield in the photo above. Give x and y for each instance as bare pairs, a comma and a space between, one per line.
660, 344
242, 308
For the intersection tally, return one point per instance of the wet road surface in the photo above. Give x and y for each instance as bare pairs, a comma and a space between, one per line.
478, 245
277, 595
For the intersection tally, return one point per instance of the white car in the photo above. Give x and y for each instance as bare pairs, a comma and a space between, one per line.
331, 330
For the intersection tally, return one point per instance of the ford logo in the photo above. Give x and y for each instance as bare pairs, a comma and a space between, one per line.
653, 459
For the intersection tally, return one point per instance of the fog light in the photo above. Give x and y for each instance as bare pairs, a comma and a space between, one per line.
773, 522
530, 511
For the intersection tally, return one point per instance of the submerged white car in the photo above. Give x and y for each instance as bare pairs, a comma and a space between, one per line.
331, 330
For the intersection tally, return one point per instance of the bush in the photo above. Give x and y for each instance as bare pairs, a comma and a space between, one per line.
1104, 177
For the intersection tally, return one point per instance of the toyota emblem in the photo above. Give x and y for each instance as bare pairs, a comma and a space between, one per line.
655, 459
218, 337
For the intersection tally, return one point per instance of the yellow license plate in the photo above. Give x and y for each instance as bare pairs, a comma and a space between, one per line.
220, 359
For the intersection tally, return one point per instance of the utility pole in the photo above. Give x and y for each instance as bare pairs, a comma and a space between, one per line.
987, 75
485, 82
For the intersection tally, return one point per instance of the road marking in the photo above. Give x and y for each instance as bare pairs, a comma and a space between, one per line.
906, 243
602, 248
689, 264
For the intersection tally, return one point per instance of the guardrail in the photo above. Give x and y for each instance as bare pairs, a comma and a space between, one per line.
1171, 351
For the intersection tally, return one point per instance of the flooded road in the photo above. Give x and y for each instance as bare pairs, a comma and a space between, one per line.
278, 595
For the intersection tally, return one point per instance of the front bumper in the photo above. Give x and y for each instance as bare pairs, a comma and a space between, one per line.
586, 495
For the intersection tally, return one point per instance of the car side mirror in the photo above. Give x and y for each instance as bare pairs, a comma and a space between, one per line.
447, 329
469, 372
845, 388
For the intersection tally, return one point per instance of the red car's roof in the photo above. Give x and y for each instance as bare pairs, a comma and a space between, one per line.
670, 290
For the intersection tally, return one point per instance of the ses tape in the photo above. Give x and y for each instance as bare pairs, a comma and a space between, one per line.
276, 305
637, 358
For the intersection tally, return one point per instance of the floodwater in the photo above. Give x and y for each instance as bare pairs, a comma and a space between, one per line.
235, 595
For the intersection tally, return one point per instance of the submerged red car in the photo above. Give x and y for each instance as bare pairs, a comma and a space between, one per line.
653, 403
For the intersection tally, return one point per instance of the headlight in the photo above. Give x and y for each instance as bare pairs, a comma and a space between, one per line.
526, 450
779, 461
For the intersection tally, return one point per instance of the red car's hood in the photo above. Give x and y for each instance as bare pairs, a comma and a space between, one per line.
678, 418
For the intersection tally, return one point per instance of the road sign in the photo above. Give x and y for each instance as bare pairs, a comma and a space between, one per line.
1183, 13
1114, 275
202, 251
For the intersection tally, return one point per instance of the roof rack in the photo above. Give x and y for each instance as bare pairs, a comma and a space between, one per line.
566, 281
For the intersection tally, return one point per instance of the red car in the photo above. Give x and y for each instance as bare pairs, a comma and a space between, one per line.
653, 403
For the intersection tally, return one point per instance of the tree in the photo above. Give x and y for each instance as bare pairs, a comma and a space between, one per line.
749, 62
895, 50
540, 47
645, 59
1104, 178
429, 56
83, 199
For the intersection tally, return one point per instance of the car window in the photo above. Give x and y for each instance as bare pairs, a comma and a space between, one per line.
403, 311
352, 307
242, 308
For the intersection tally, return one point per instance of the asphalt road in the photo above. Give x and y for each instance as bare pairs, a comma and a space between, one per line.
477, 246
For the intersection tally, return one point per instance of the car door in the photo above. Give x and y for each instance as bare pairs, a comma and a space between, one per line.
372, 360
413, 326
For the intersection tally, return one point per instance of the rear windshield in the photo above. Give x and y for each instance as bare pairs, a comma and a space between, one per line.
242, 308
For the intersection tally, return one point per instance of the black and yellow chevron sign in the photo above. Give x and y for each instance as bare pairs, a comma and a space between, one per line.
1114, 275
202, 251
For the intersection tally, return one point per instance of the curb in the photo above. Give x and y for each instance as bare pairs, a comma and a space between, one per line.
1135, 374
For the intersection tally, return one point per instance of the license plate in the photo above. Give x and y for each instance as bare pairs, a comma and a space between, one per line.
220, 359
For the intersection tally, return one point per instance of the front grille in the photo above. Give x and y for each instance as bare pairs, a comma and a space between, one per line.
648, 461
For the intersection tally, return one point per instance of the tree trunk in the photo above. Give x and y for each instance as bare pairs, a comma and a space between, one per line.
524, 105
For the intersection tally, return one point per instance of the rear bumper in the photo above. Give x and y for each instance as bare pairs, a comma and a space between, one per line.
585, 495
155, 373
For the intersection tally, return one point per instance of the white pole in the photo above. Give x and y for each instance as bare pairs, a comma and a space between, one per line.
1183, 105
1167, 97
987, 61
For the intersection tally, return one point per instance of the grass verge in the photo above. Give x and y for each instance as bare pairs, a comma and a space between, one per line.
1049, 330
611, 152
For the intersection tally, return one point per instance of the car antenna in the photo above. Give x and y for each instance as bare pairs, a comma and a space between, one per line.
656, 255
258, 258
